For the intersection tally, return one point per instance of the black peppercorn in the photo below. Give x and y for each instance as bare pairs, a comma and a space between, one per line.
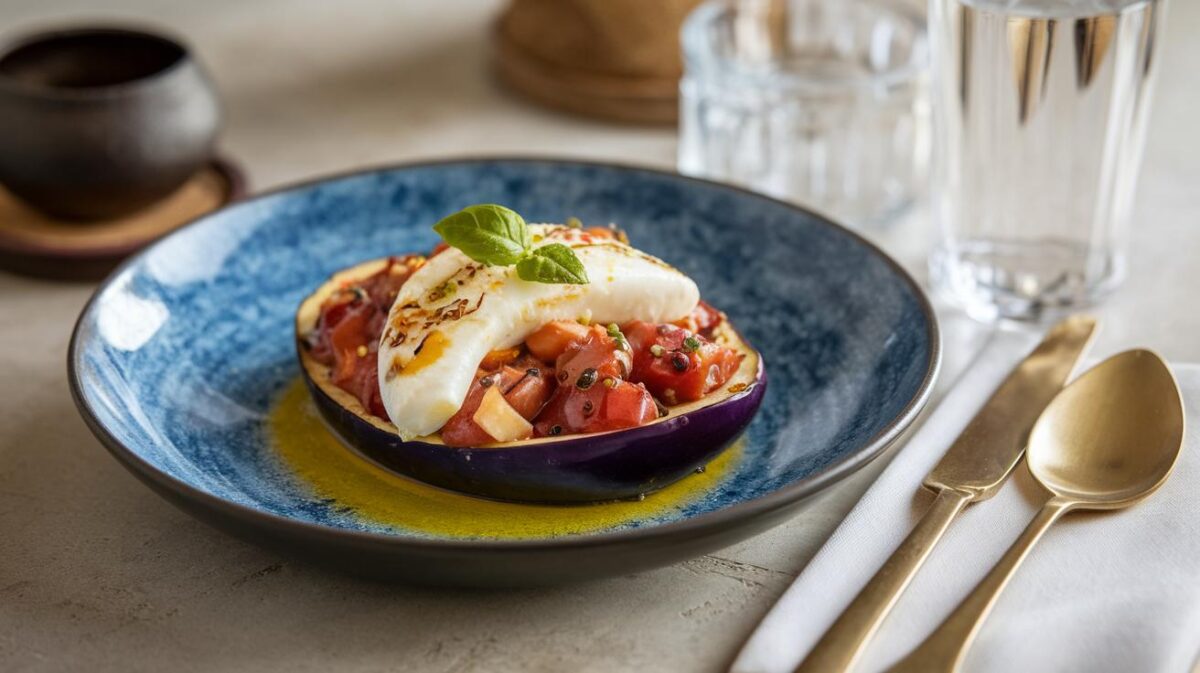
679, 361
586, 379
555, 430
486, 382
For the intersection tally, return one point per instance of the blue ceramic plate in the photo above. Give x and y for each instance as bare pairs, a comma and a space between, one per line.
183, 365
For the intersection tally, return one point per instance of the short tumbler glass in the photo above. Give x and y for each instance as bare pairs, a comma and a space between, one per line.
820, 102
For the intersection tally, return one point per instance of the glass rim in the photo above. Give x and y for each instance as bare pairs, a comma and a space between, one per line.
1119, 7
700, 61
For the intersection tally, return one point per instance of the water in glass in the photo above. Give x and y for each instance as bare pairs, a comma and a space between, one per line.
1040, 110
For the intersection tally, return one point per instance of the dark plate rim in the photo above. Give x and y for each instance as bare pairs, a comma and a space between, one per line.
718, 519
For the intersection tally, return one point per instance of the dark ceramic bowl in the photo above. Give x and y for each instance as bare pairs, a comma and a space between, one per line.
101, 122
183, 364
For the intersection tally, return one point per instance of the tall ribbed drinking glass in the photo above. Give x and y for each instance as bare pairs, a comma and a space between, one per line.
1040, 110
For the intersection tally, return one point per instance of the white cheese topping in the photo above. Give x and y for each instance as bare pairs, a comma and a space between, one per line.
452, 311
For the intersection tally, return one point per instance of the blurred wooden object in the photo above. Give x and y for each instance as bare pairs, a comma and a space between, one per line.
35, 244
614, 59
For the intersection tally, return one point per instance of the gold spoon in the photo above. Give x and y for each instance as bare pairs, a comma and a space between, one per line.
1106, 441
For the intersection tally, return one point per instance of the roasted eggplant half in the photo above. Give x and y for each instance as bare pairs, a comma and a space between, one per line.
603, 466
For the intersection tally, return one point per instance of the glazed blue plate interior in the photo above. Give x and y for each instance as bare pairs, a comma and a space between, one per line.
182, 354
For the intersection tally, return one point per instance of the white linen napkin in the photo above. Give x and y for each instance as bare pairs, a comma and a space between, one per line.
1116, 591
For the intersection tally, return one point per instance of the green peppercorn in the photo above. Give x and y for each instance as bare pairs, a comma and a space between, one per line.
691, 344
614, 333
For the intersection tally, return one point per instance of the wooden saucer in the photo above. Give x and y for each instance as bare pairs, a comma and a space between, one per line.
650, 99
36, 244
612, 59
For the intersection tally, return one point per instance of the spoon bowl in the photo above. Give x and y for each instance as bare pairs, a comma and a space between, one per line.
1107, 441
1111, 437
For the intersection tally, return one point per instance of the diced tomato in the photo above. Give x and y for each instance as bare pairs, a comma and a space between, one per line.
383, 287
365, 385
526, 384
678, 370
628, 404
611, 232
498, 358
601, 232
596, 350
533, 386
701, 320
552, 339
347, 332
344, 339
592, 393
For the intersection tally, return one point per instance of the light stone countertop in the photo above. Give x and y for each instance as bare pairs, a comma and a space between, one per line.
99, 574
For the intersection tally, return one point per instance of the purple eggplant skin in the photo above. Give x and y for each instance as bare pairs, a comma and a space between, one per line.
577, 469
598, 467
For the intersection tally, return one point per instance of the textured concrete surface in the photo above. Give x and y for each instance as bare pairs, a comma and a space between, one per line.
99, 574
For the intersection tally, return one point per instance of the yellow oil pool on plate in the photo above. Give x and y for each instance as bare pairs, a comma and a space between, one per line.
349, 482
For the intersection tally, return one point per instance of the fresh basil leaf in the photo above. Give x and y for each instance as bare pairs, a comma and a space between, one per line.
554, 263
486, 233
